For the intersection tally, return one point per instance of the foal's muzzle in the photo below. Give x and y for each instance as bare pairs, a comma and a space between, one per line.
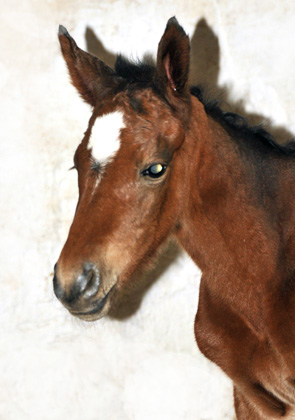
83, 297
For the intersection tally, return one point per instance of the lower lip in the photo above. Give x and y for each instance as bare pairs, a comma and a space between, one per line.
94, 313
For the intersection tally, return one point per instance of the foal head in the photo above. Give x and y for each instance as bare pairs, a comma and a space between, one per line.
130, 169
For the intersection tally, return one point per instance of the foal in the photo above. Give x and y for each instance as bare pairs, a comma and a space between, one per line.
157, 161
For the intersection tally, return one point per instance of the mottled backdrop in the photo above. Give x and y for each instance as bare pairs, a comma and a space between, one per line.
142, 363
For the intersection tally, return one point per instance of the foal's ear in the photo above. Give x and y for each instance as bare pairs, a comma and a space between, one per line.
173, 60
89, 74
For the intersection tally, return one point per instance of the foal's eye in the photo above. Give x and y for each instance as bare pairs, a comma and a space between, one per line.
155, 171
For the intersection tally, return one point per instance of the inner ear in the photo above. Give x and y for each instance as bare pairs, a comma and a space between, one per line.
167, 66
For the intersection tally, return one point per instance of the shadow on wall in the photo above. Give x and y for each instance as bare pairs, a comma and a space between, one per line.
204, 71
205, 59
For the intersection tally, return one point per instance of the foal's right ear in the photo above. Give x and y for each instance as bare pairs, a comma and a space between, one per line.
173, 61
90, 76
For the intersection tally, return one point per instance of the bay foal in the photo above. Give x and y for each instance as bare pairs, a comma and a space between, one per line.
156, 161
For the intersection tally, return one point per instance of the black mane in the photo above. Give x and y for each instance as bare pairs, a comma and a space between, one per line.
141, 74
236, 124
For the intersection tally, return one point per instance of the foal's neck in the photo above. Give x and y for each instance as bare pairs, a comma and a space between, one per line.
224, 228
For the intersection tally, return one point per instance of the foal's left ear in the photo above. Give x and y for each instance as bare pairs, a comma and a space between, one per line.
173, 60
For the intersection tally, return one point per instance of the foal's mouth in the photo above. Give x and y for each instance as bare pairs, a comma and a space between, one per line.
99, 307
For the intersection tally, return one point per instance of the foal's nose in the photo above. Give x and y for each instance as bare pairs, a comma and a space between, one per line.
85, 285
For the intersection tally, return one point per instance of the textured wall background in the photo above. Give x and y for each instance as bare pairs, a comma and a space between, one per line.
142, 363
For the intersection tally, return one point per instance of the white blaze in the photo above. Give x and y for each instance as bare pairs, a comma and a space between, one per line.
105, 136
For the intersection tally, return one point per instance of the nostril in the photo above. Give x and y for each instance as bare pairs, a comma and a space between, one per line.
89, 281
86, 285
